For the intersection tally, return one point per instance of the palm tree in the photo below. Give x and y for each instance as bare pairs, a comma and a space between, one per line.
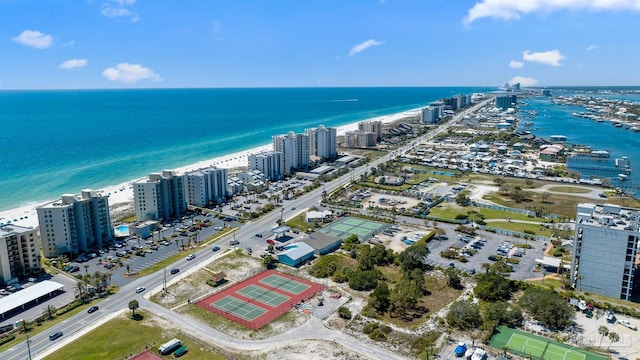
133, 306
49, 312
613, 337
603, 331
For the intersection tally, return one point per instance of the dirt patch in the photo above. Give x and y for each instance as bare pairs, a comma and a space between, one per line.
310, 350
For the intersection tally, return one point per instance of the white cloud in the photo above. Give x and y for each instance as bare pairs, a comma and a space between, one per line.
130, 73
516, 64
73, 64
119, 8
551, 57
363, 46
592, 47
34, 38
513, 9
524, 81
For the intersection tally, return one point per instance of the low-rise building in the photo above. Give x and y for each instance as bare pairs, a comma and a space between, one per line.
296, 254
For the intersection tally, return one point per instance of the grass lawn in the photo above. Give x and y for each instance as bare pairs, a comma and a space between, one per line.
450, 210
521, 227
122, 337
570, 189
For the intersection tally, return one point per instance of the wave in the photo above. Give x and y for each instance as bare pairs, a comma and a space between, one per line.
344, 100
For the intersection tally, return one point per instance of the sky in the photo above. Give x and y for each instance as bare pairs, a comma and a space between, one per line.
104, 44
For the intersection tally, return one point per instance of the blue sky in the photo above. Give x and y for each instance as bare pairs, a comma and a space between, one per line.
63, 44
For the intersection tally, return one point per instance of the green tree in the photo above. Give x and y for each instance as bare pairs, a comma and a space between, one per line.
379, 298
613, 337
49, 312
365, 259
453, 279
547, 306
133, 306
363, 280
324, 267
603, 331
501, 312
492, 286
464, 314
404, 297
350, 242
269, 262
344, 312
414, 257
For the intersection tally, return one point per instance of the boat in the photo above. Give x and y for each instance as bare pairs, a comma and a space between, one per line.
622, 177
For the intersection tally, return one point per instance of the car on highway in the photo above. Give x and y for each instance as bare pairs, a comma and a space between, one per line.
92, 309
191, 257
628, 324
140, 289
175, 271
293, 208
55, 335
215, 248
234, 242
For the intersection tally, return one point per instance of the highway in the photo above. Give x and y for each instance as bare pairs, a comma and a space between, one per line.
77, 324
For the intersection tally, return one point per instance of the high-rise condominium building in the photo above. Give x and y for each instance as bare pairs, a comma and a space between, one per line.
19, 251
161, 196
271, 164
605, 250
295, 149
206, 186
359, 139
374, 126
322, 142
75, 223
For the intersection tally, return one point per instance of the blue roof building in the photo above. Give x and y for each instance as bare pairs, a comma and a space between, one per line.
296, 254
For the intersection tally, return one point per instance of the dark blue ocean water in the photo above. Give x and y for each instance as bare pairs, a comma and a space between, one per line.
56, 142
557, 120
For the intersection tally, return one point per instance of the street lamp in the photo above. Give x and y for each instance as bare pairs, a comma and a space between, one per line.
28, 346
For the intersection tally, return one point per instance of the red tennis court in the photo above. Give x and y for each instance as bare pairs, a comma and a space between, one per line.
260, 299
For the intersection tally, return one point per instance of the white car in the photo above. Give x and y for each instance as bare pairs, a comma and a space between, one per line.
628, 324
140, 289
191, 257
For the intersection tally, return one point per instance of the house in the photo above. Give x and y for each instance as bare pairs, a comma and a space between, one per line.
296, 254
551, 152
312, 216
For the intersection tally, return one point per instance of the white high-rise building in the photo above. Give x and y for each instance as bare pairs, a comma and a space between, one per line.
605, 250
161, 196
295, 148
206, 186
322, 142
430, 115
271, 164
19, 251
75, 223
374, 126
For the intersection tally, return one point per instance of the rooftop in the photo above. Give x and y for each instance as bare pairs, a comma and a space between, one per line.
610, 216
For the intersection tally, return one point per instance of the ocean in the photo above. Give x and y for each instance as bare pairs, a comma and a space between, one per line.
57, 142
557, 120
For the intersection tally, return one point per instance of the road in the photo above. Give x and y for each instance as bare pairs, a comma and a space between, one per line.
78, 323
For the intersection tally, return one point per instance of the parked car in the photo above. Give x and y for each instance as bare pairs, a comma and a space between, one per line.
269, 241
92, 309
140, 289
628, 324
175, 271
55, 335
249, 251
259, 235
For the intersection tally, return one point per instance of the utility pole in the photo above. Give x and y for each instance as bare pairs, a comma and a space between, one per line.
164, 287
28, 346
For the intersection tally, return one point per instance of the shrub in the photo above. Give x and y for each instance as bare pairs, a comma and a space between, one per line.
344, 312
378, 335
512, 261
463, 259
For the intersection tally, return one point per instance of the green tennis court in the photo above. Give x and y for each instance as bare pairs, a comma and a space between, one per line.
284, 284
539, 348
347, 226
239, 308
262, 295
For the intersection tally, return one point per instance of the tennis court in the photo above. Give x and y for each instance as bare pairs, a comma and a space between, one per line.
536, 347
265, 296
257, 301
239, 308
288, 285
347, 226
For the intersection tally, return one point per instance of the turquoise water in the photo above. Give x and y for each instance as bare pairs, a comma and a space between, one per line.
56, 142
557, 120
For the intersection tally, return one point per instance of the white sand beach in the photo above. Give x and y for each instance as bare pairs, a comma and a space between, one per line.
121, 195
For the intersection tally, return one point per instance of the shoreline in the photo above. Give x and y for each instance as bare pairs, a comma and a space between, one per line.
121, 195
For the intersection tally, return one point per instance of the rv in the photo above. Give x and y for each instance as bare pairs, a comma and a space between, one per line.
169, 347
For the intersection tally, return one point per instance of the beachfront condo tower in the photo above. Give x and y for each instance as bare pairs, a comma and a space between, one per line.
605, 250
271, 164
19, 252
430, 115
322, 142
506, 101
160, 197
374, 126
359, 139
206, 187
295, 148
75, 223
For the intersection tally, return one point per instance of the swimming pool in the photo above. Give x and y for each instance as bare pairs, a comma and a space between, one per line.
121, 230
